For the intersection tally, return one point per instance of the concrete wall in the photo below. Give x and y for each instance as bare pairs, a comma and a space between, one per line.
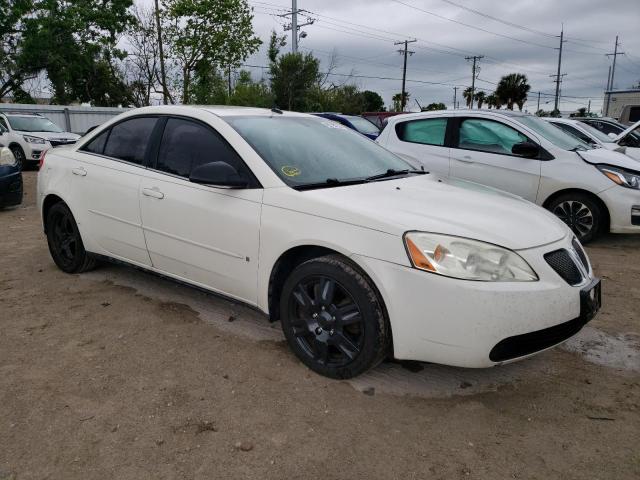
72, 118
617, 100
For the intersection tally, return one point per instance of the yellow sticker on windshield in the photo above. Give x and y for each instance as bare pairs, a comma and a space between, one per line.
291, 171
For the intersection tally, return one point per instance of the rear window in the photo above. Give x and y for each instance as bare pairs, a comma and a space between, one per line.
428, 131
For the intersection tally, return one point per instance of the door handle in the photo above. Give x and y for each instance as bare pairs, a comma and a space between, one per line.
153, 192
465, 159
79, 171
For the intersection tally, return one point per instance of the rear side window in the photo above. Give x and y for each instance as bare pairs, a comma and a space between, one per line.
488, 136
186, 145
129, 139
97, 144
429, 131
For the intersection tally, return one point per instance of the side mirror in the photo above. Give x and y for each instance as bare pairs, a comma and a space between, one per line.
612, 135
526, 149
218, 174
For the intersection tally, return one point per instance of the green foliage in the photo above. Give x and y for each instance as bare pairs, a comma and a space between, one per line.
434, 106
249, 93
467, 96
493, 101
372, 102
218, 32
397, 101
209, 86
293, 76
512, 90
480, 97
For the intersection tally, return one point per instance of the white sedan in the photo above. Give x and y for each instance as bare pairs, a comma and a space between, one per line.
359, 256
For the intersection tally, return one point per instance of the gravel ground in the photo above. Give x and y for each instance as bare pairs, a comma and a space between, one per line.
120, 374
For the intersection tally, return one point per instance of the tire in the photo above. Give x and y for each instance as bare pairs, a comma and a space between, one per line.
581, 213
333, 318
20, 156
65, 242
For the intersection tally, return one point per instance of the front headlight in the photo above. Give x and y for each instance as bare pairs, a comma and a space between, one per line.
466, 259
624, 178
7, 157
30, 139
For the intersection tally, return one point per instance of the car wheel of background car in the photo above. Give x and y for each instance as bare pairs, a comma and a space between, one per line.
20, 156
333, 318
581, 213
65, 243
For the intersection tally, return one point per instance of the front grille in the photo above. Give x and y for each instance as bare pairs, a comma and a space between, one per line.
563, 264
61, 143
528, 343
581, 255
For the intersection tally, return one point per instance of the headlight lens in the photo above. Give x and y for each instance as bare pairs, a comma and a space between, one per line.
7, 157
466, 259
624, 178
30, 139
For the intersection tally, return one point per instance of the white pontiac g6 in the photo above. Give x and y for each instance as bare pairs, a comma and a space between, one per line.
358, 255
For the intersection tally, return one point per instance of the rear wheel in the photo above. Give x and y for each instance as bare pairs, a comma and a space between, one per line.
581, 213
65, 243
333, 319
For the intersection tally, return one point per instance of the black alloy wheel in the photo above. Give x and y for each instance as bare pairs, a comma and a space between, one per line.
333, 319
580, 213
65, 242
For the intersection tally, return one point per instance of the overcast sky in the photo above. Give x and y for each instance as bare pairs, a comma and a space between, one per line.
365, 45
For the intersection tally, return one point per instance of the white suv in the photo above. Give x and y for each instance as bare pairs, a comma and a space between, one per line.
591, 190
30, 134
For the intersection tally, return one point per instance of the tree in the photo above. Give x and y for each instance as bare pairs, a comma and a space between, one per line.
467, 94
492, 100
209, 86
293, 76
249, 93
480, 97
434, 106
513, 89
372, 102
216, 32
13, 14
397, 101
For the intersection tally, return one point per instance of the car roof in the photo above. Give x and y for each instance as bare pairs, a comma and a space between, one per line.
459, 112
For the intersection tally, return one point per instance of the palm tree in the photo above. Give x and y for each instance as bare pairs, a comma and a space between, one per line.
480, 97
467, 96
512, 89
493, 101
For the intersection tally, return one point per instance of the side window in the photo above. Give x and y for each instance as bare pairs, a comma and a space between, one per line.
186, 145
488, 136
429, 131
129, 139
574, 132
97, 144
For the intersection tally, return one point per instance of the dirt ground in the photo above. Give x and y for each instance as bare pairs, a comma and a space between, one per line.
118, 374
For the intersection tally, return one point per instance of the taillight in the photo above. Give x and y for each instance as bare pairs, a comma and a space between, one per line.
41, 162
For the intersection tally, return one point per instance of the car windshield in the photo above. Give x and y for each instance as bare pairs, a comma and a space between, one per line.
363, 125
306, 151
33, 124
556, 136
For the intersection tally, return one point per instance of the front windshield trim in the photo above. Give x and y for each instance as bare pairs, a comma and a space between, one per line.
17, 123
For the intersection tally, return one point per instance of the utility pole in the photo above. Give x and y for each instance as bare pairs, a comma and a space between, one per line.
455, 97
613, 70
475, 58
538, 109
294, 26
405, 52
163, 77
589, 108
559, 76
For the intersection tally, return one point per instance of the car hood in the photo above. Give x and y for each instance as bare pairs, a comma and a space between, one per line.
610, 157
431, 204
62, 136
628, 131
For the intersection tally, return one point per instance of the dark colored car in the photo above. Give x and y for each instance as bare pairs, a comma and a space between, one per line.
10, 179
353, 122
609, 125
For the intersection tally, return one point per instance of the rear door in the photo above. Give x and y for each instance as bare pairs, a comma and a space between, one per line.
482, 154
105, 180
205, 235
422, 142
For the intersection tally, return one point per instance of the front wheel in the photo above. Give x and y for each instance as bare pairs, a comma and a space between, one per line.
581, 213
21, 158
333, 319
65, 243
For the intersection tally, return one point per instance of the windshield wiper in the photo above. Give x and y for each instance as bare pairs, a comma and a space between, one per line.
394, 173
329, 182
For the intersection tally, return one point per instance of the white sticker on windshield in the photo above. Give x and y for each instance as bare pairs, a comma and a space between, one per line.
332, 124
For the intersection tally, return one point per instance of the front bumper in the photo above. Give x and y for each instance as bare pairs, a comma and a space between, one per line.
458, 322
624, 208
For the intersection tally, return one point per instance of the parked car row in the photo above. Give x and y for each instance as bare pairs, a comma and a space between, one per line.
358, 253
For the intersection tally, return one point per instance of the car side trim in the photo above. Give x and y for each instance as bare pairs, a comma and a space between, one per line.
197, 244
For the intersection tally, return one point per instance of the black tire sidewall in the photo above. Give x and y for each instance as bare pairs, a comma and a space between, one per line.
596, 211
80, 258
20, 156
375, 342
